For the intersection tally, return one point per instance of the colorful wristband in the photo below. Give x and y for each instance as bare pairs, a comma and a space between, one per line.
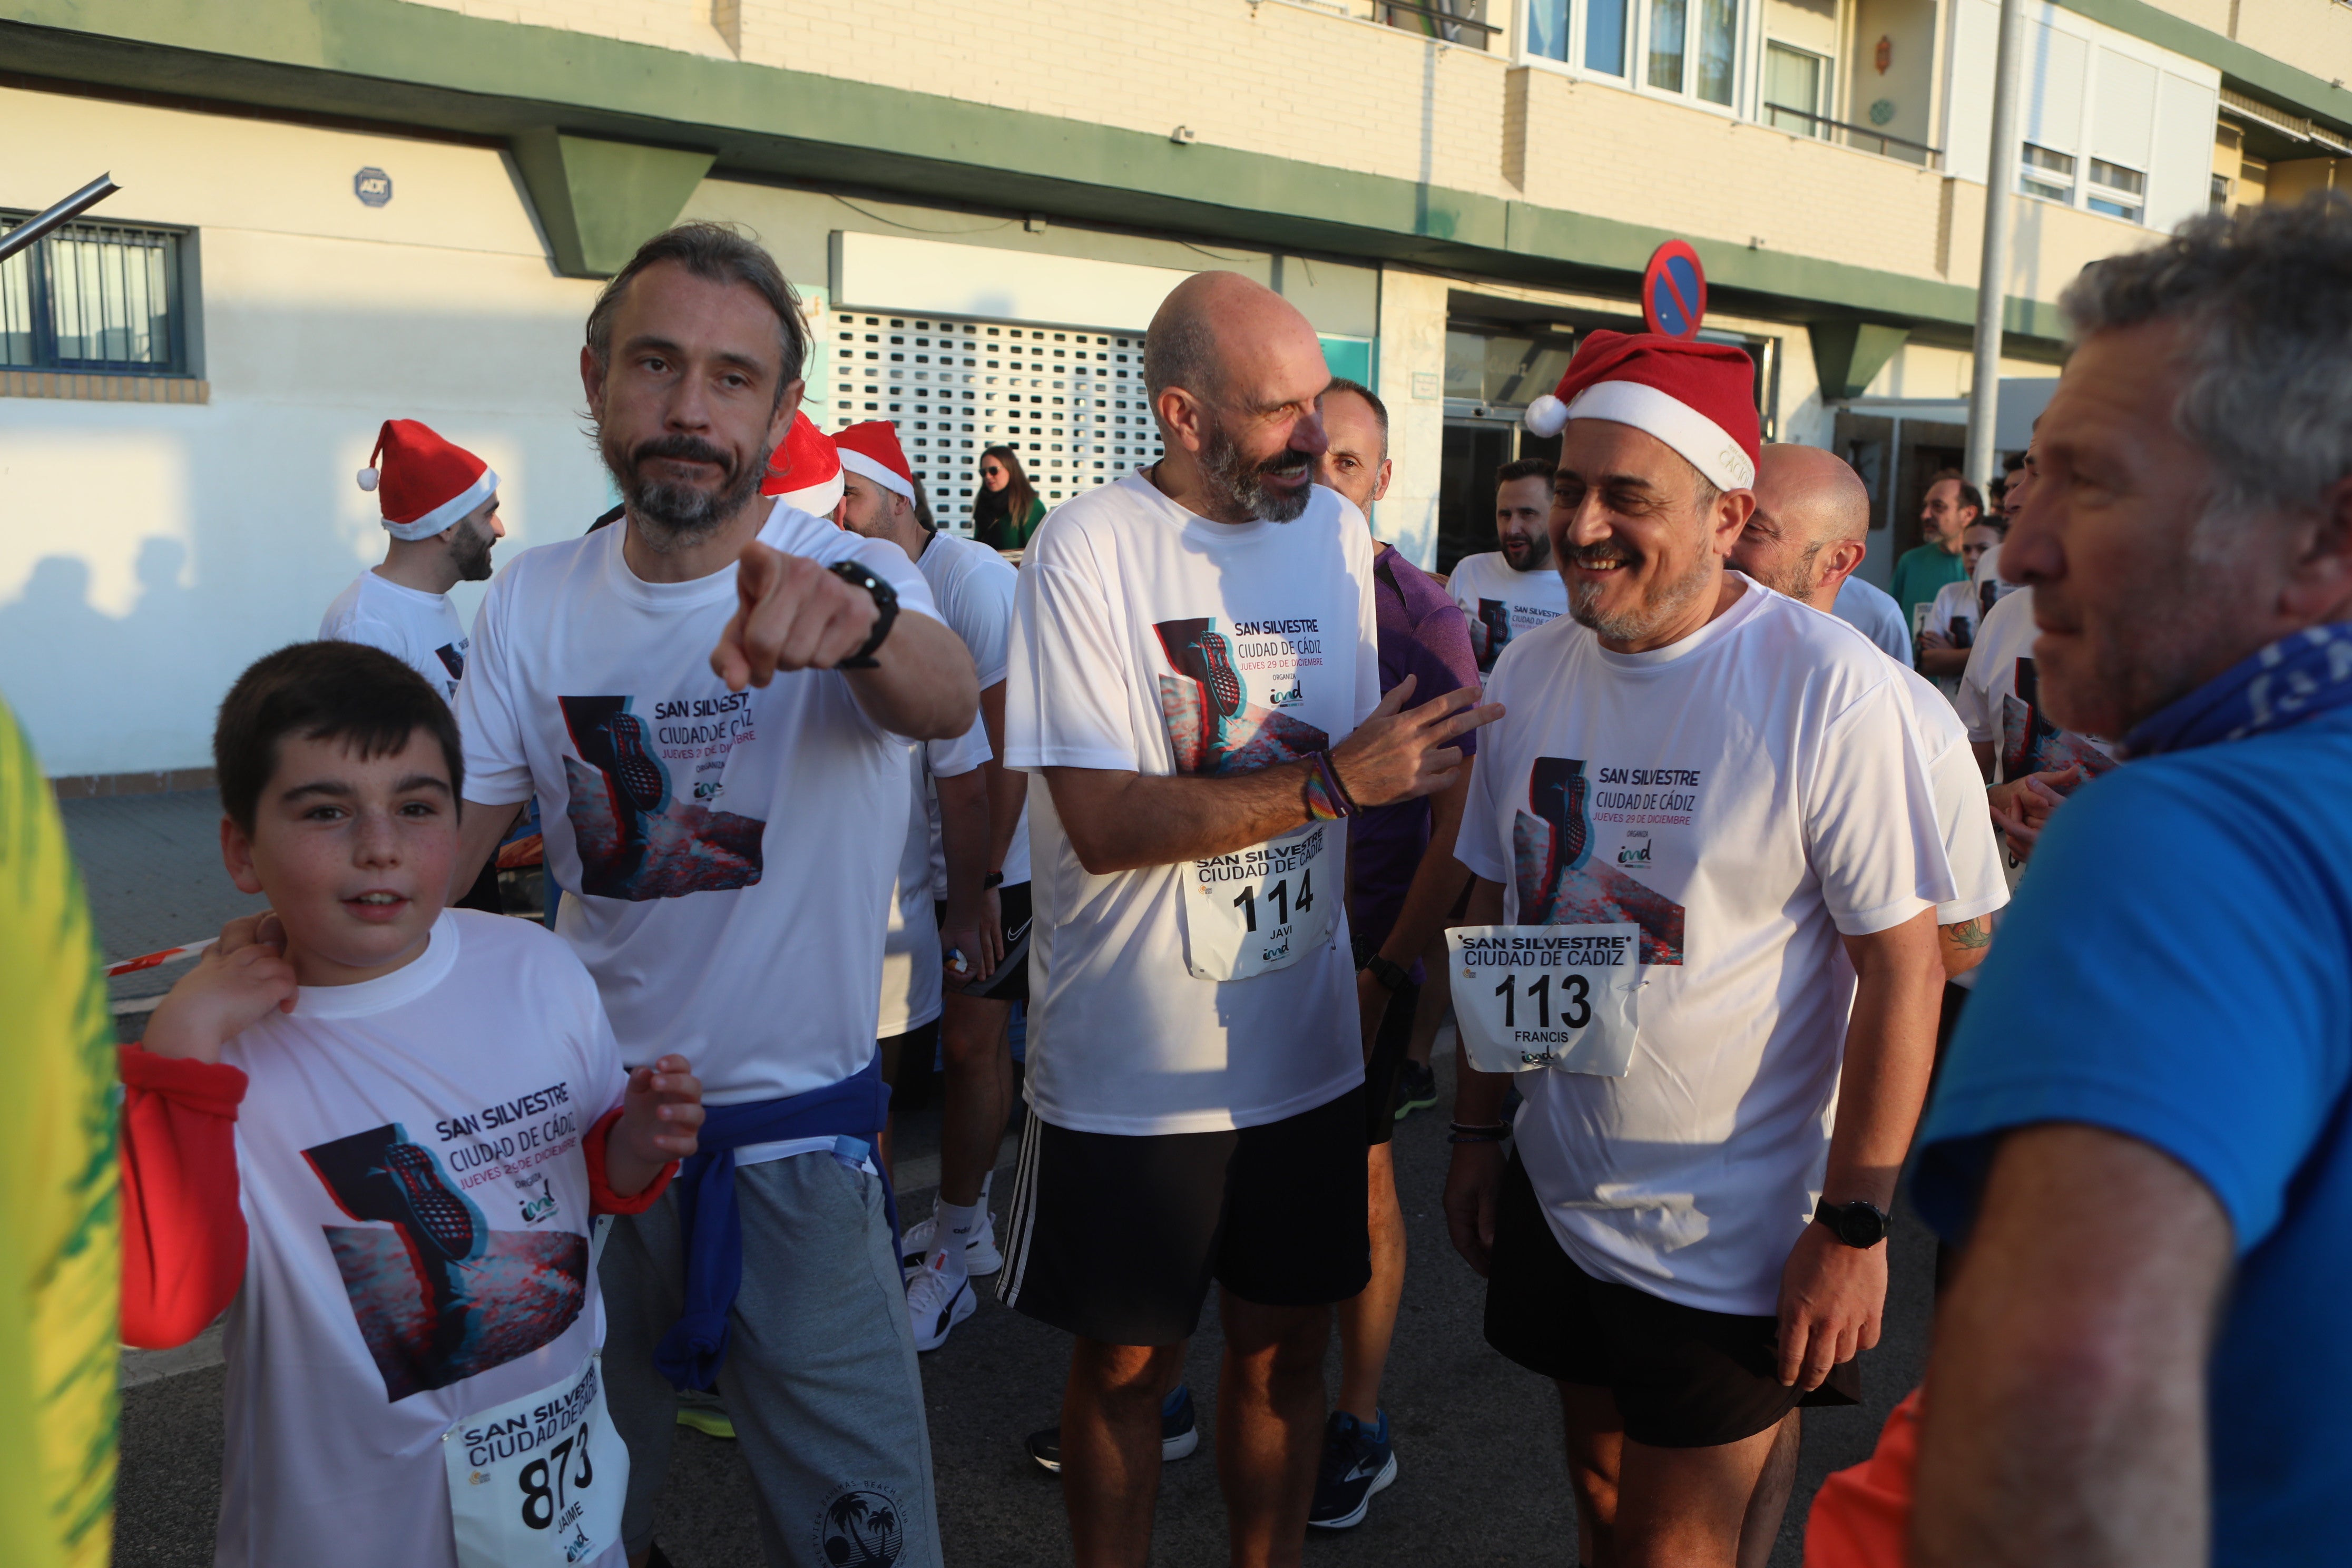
1327, 798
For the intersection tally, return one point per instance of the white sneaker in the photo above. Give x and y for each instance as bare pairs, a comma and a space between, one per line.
935, 1302
980, 1254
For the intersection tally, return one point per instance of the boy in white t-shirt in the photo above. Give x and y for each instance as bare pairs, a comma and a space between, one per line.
1511, 591
376, 1131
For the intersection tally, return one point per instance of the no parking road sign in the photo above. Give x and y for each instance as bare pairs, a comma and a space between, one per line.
1674, 291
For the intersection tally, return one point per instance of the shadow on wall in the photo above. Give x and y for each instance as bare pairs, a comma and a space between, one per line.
69, 667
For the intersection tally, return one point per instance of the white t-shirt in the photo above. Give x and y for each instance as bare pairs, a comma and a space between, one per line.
421, 630
727, 857
1745, 797
973, 587
1871, 611
1504, 602
2000, 699
1142, 634
912, 986
407, 1143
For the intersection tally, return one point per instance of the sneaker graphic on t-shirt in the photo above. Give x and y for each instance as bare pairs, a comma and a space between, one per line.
453, 659
438, 1296
2031, 743
1211, 723
1490, 632
1558, 881
635, 838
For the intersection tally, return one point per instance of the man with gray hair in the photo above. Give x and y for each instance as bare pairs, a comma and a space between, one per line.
2144, 1130
710, 701
1194, 692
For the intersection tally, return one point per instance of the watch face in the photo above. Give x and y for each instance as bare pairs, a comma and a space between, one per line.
1859, 1224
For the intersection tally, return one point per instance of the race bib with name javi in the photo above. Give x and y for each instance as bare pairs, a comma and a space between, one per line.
1264, 908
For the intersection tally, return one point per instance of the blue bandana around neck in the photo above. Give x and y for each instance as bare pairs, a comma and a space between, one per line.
2299, 677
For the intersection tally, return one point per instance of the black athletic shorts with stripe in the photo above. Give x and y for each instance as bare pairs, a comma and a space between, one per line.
1010, 982
1116, 1238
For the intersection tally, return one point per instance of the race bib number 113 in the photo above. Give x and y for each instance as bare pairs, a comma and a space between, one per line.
1538, 997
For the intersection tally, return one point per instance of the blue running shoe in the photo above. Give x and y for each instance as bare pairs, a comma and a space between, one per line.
1358, 1461
1180, 1432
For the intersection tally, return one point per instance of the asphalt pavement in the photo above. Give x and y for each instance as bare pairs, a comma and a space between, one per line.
1478, 1440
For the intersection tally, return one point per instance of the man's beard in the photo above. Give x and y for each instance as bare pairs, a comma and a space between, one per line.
1240, 484
470, 553
675, 516
1537, 554
1796, 580
1662, 605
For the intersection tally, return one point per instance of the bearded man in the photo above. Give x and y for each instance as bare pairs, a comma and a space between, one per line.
1708, 862
708, 701
1195, 694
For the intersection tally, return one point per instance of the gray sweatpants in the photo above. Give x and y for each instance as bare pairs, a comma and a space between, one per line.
820, 1377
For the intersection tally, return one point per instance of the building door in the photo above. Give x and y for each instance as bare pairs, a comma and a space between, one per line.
1474, 449
1069, 402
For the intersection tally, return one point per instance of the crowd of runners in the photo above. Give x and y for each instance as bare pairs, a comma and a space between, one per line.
1698, 845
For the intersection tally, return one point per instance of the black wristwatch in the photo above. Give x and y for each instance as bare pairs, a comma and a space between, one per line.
886, 606
1856, 1224
1393, 977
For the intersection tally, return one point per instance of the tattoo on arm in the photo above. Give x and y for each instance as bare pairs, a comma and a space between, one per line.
1968, 934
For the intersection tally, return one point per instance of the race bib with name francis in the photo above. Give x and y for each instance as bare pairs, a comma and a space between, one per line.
1564, 996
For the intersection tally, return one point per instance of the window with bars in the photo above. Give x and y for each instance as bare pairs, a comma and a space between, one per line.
94, 298
1069, 403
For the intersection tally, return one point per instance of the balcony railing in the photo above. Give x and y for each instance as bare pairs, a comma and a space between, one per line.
1439, 20
1780, 117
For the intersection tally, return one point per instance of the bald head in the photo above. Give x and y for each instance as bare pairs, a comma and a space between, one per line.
1810, 527
1233, 371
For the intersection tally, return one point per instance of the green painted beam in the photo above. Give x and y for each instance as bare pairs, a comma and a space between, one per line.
1847, 354
426, 67
598, 201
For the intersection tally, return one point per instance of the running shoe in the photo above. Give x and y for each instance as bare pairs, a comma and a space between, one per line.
705, 1413
435, 1212
1180, 1432
1358, 1461
1416, 1089
937, 1303
980, 1254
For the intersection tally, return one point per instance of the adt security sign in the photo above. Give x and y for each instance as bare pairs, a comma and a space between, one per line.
1674, 291
372, 186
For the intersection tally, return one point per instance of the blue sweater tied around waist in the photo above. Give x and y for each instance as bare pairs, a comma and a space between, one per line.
852, 1113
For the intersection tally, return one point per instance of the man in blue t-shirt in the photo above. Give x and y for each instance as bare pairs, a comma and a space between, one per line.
2143, 1135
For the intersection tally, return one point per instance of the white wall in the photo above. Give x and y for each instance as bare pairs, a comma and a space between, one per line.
149, 551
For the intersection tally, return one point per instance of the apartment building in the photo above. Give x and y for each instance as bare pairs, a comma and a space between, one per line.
335, 210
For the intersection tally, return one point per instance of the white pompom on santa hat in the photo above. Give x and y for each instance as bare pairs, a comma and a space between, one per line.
871, 451
1698, 398
424, 483
805, 470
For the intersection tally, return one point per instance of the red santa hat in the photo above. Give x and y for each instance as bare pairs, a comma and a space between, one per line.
425, 483
871, 451
804, 470
1698, 398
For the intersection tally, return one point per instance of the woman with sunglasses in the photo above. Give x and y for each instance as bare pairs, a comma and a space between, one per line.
1007, 510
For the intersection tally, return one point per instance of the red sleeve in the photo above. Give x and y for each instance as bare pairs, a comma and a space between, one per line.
1861, 1517
183, 1241
602, 1198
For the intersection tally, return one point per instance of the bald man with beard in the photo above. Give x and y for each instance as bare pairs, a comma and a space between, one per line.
1195, 695
1804, 539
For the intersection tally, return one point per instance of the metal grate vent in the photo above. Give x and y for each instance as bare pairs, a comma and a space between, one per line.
1069, 403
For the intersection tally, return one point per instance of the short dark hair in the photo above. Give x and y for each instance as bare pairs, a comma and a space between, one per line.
1380, 410
1969, 494
922, 502
1525, 468
323, 691
715, 251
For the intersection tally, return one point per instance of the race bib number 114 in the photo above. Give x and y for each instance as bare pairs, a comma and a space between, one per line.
1267, 906
1537, 996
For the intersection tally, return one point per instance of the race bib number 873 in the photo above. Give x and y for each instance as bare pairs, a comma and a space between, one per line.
1536, 996
540, 1479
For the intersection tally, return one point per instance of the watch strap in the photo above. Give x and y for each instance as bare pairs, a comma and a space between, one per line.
886, 606
1393, 976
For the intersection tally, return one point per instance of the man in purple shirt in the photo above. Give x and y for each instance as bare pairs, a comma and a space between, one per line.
1403, 881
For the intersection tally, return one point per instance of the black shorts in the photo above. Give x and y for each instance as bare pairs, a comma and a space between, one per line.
1116, 1238
1684, 1378
1011, 981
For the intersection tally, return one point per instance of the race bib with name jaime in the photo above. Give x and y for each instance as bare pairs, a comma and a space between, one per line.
540, 1479
1264, 908
1562, 997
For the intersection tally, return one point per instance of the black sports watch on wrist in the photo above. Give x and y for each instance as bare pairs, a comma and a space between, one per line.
886, 606
1857, 1224
1393, 976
